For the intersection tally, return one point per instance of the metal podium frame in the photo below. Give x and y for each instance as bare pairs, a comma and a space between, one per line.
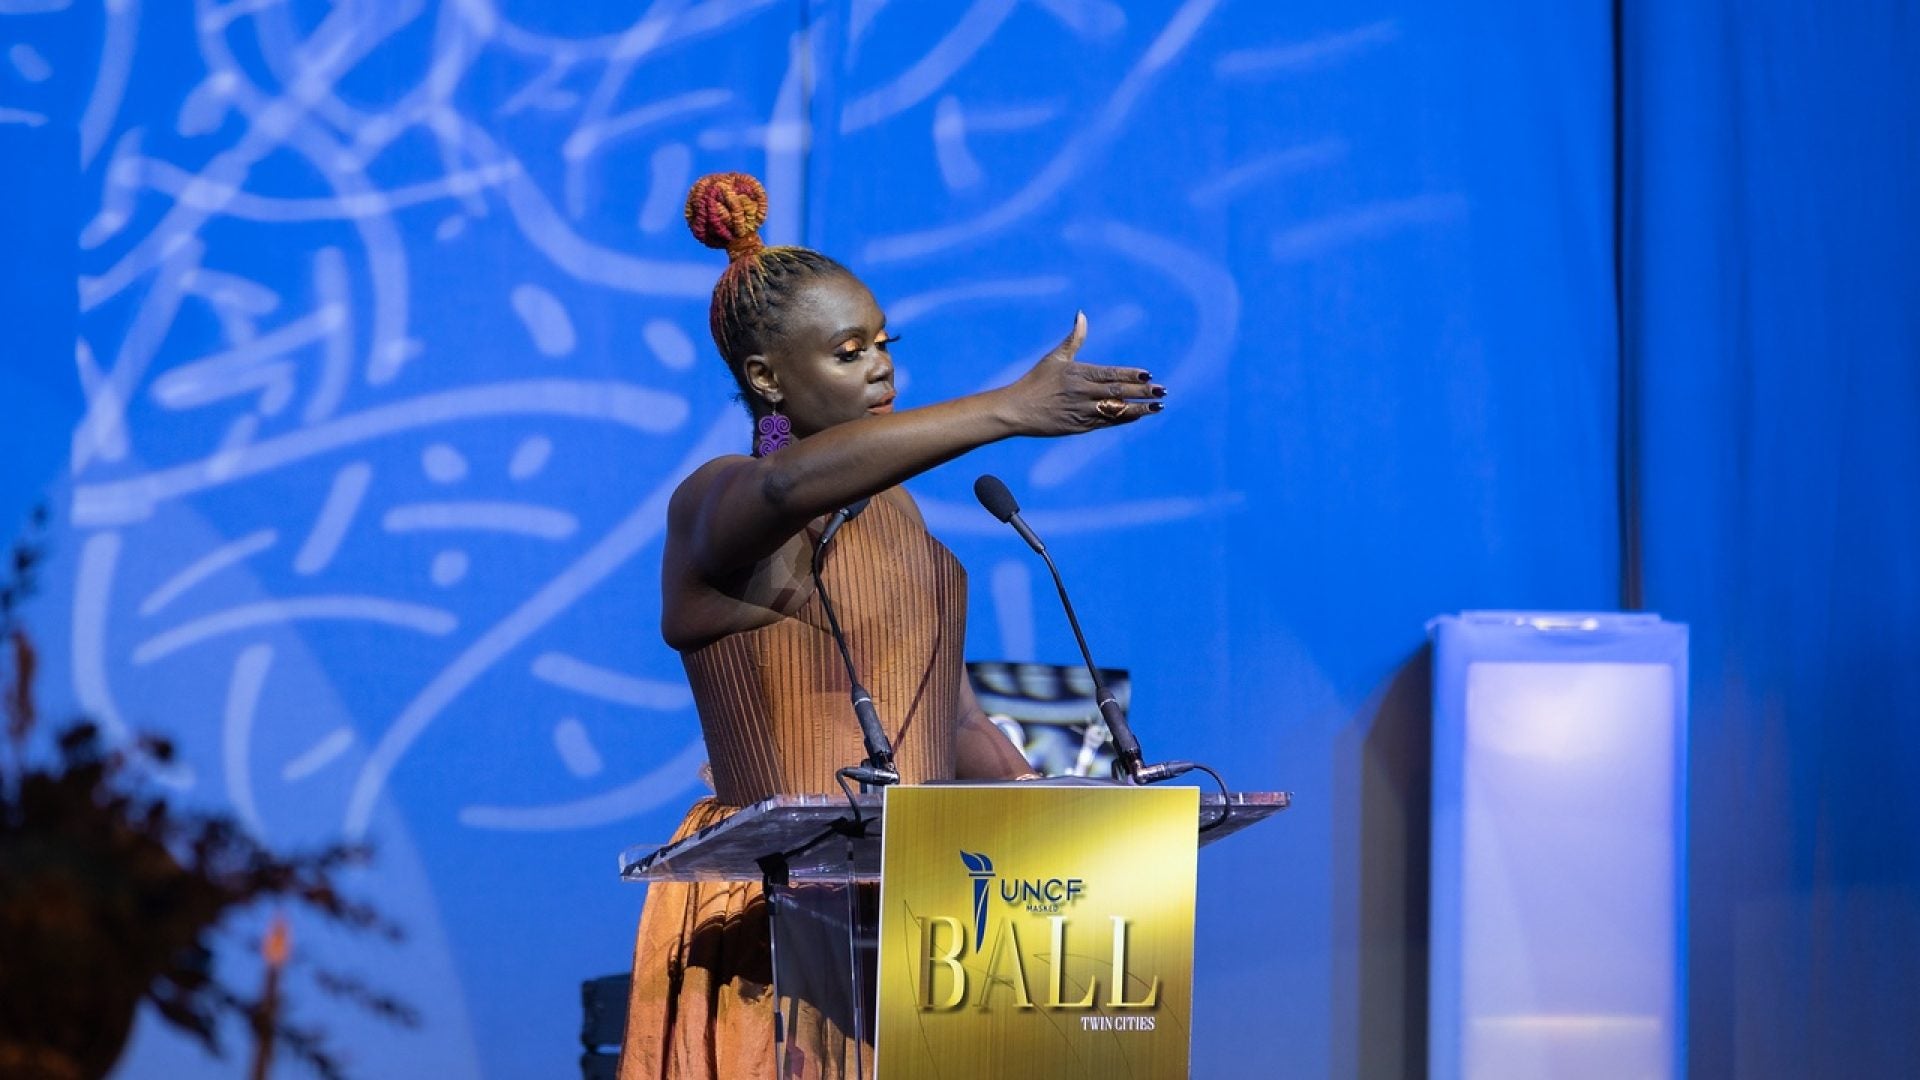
733, 850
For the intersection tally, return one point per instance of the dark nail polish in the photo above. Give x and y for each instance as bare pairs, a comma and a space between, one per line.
1144, 377
1159, 391
1155, 406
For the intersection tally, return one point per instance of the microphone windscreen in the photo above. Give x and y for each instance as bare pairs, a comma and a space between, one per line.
995, 497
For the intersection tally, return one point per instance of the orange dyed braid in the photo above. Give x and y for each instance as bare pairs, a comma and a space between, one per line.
725, 211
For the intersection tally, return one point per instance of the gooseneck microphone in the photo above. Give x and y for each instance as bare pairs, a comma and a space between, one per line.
993, 495
878, 770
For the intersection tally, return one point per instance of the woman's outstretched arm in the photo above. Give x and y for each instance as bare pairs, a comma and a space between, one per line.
736, 511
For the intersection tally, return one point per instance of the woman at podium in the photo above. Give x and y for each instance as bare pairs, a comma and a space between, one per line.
814, 360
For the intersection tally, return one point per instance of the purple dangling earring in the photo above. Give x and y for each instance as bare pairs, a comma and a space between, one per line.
776, 432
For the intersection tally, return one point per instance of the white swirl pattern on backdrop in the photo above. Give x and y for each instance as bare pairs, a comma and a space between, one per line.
376, 295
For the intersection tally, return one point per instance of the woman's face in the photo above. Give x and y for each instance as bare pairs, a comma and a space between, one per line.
830, 364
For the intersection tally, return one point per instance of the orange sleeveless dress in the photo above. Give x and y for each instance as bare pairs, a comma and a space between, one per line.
773, 708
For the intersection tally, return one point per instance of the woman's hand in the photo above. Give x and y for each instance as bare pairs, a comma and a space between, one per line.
1062, 396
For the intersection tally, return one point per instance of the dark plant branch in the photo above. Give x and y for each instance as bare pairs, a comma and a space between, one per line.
110, 896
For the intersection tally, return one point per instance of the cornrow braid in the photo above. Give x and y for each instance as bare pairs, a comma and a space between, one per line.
725, 211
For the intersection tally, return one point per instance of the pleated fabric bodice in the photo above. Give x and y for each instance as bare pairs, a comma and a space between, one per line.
773, 701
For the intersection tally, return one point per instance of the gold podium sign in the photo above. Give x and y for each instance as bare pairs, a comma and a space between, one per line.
1036, 932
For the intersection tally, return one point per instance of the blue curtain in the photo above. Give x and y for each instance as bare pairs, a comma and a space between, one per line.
1773, 330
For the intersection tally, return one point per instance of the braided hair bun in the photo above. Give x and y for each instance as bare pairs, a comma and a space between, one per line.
725, 210
760, 284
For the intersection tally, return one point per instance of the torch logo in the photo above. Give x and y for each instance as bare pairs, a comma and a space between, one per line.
980, 868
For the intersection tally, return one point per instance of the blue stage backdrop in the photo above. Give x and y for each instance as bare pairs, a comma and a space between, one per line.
391, 345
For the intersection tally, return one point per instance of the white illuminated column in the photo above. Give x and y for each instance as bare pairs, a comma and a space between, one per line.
1558, 884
